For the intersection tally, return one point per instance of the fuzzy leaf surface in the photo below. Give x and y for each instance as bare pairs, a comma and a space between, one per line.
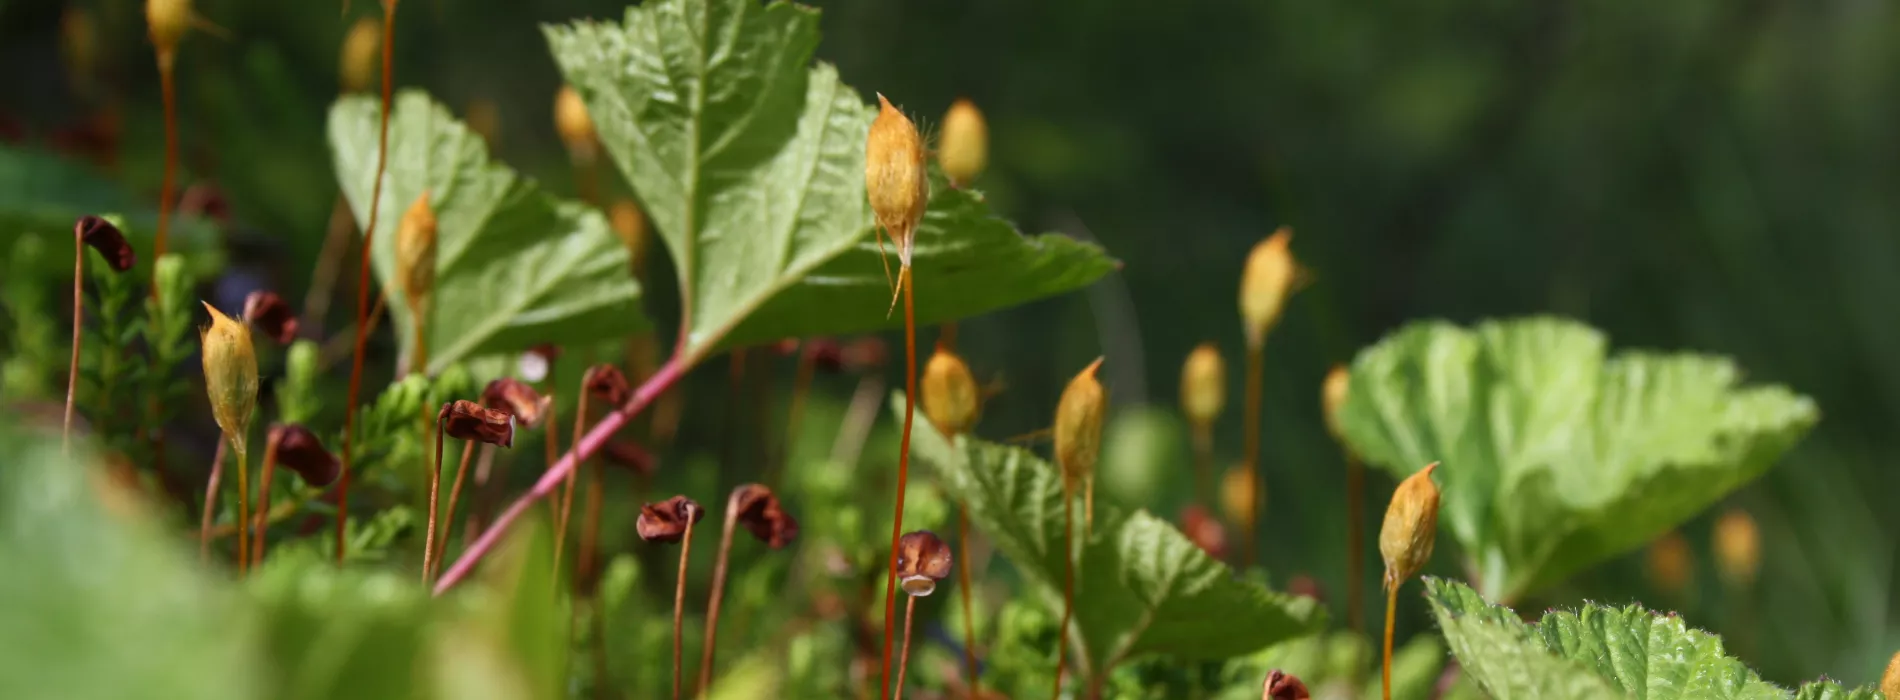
749, 159
1142, 587
1556, 456
515, 266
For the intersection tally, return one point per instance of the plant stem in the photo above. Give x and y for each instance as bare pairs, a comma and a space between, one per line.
448, 518
167, 184
238, 450
1355, 543
1385, 666
316, 302
903, 659
435, 486
661, 380
263, 498
1203, 437
712, 605
566, 506
679, 604
903, 466
1068, 585
362, 296
794, 415
1256, 371
211, 502
963, 587
590, 529
79, 318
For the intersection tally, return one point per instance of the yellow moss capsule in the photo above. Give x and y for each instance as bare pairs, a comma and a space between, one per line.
573, 123
1332, 397
167, 21
230, 366
949, 394
1203, 385
631, 225
894, 177
362, 49
1890, 681
1078, 429
1670, 564
1737, 547
963, 148
1411, 525
1270, 277
79, 42
415, 253
1236, 495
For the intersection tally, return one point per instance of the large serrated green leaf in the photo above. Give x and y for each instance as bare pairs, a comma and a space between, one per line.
1597, 652
750, 162
515, 266
1141, 586
1555, 456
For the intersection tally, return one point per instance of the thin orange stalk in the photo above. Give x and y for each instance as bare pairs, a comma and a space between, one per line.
566, 505
79, 318
211, 502
679, 604
1256, 375
448, 518
903, 467
263, 496
362, 297
903, 660
435, 486
718, 590
963, 585
244, 510
167, 184
1203, 436
1068, 586
1391, 603
1355, 542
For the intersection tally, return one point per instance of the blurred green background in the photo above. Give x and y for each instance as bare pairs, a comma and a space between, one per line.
1717, 176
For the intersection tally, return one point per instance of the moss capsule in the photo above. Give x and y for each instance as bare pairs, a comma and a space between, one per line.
1411, 525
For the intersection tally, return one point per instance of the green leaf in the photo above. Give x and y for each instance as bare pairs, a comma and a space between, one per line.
750, 160
100, 601
340, 633
1596, 652
515, 266
1555, 456
517, 610
1141, 586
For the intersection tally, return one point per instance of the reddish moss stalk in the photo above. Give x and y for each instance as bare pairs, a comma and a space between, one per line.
679, 602
435, 487
448, 518
563, 509
167, 184
1256, 375
79, 318
211, 502
1355, 542
263, 498
1385, 664
903, 467
1068, 587
903, 659
362, 298
718, 591
963, 586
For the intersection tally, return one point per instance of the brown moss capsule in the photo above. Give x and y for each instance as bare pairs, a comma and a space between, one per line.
1078, 429
1203, 385
631, 225
467, 420
963, 148
1411, 525
573, 123
760, 513
359, 63
517, 399
299, 450
269, 313
949, 394
1204, 530
1236, 494
1270, 277
606, 383
894, 177
922, 561
100, 235
1332, 397
1281, 685
230, 366
666, 521
1737, 547
415, 253
1890, 681
1669, 563
167, 21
